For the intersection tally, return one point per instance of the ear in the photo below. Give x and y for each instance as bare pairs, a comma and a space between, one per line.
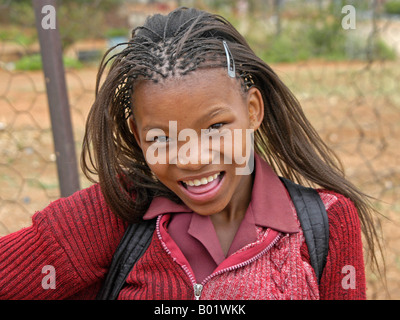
255, 106
134, 129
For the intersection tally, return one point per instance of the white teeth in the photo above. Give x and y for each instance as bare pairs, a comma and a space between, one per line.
204, 180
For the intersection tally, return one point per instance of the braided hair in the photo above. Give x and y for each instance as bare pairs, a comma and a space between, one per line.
176, 44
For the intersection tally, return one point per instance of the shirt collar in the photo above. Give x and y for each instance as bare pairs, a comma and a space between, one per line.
162, 205
270, 202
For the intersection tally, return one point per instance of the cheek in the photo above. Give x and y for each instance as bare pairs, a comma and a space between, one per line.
236, 145
151, 156
158, 163
160, 171
154, 154
243, 146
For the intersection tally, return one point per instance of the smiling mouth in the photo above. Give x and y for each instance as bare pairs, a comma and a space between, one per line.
202, 181
204, 184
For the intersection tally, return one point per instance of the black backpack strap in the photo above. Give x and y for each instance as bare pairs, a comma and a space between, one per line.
134, 243
314, 222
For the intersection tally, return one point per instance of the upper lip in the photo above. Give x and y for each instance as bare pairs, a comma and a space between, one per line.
199, 176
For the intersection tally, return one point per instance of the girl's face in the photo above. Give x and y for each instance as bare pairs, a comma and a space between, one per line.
172, 118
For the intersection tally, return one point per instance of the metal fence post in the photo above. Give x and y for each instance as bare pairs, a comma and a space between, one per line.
53, 68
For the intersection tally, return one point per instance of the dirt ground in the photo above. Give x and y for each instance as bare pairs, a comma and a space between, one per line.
354, 106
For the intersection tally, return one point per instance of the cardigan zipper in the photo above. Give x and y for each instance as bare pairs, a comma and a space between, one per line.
239, 265
198, 287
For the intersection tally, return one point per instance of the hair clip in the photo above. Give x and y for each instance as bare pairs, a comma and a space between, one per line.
229, 60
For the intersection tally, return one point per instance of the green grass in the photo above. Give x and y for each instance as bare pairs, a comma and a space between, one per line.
311, 37
322, 44
24, 37
34, 62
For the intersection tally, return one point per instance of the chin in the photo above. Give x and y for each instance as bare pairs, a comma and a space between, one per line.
206, 209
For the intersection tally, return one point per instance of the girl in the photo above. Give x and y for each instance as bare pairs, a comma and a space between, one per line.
236, 234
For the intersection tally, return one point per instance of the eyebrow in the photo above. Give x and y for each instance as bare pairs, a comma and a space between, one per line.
216, 111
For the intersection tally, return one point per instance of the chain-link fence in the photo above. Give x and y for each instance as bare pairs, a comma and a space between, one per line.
345, 73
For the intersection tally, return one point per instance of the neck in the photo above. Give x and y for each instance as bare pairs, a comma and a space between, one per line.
227, 222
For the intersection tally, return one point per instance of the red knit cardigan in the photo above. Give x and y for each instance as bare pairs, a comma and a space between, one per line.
78, 235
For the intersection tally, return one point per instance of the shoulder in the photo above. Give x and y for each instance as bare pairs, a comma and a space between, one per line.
342, 215
84, 212
337, 205
86, 201
90, 197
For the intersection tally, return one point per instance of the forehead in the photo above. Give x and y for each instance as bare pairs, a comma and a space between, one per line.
186, 95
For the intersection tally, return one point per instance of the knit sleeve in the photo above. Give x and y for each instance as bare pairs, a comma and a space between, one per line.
65, 253
344, 274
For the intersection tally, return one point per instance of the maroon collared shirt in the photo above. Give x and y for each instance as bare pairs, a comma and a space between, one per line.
196, 237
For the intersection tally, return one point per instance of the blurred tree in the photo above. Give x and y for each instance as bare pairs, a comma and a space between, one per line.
278, 4
76, 19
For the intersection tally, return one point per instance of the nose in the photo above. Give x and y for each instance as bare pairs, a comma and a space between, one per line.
193, 155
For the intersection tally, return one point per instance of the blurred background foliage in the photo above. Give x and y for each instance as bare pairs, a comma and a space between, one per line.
278, 30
